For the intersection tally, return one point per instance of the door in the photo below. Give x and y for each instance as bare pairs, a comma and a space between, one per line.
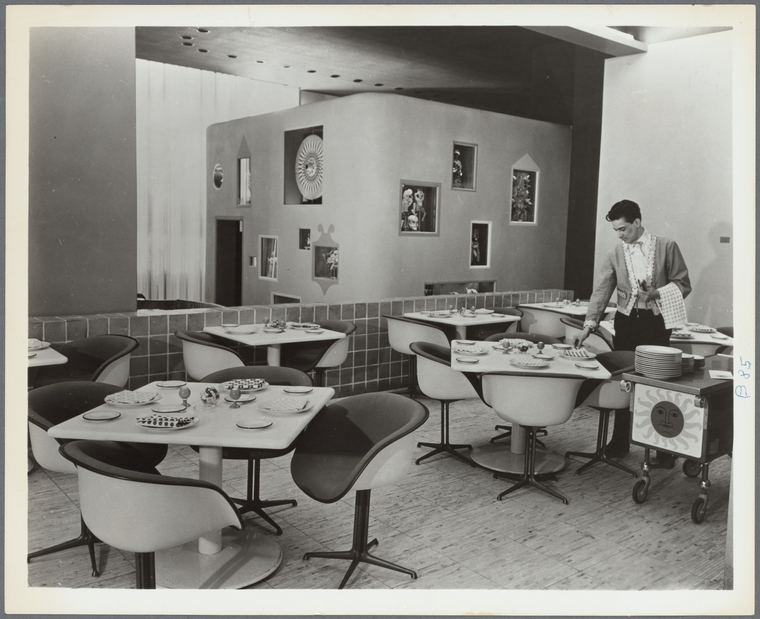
229, 262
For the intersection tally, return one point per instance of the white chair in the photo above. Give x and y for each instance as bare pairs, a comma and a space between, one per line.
533, 401
354, 445
606, 396
142, 511
542, 322
321, 355
403, 331
202, 354
596, 342
59, 402
437, 380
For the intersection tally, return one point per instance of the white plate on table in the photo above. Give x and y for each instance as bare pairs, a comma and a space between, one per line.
702, 329
278, 406
543, 355
588, 365
483, 310
240, 329
32, 354
467, 360
253, 425
273, 330
171, 384
303, 325
168, 409
562, 346
133, 398
682, 336
298, 390
243, 399
35, 344
528, 362
470, 350
465, 342
314, 330
101, 415
244, 384
719, 336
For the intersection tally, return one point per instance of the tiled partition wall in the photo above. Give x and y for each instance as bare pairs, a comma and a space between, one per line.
371, 364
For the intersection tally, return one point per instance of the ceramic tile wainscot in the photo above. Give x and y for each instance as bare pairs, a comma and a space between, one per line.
371, 364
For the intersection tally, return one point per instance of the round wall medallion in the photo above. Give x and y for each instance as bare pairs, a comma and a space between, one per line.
218, 175
309, 167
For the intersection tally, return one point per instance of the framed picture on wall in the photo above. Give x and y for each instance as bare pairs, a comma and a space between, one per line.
326, 259
419, 208
480, 244
268, 257
464, 166
524, 205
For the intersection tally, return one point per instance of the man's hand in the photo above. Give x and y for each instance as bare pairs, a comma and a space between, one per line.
581, 337
649, 295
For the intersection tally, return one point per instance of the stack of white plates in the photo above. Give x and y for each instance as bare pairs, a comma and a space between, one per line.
687, 363
658, 361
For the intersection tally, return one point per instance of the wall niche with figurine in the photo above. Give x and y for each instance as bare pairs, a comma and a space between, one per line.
303, 166
464, 166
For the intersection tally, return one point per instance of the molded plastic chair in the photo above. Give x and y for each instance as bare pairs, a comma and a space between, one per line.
542, 321
533, 400
202, 354
274, 376
596, 342
529, 337
54, 404
101, 358
139, 510
356, 444
483, 331
606, 396
320, 355
438, 381
403, 331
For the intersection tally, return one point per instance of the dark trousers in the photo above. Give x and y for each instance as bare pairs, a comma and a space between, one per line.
641, 328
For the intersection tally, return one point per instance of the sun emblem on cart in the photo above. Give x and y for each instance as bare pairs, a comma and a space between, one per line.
668, 419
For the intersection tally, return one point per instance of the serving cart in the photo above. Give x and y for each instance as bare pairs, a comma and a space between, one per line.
690, 416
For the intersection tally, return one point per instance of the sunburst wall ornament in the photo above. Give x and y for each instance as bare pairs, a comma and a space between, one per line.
309, 167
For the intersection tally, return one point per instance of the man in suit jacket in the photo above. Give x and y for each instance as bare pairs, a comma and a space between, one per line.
641, 270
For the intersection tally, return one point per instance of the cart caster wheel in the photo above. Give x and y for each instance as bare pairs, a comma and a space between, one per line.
698, 510
640, 491
691, 468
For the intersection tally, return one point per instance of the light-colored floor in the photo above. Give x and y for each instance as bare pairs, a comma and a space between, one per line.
444, 522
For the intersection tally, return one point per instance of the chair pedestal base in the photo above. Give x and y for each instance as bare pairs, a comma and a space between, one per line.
600, 455
529, 478
253, 502
445, 446
86, 538
359, 552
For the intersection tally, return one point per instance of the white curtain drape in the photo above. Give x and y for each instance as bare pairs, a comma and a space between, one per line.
174, 107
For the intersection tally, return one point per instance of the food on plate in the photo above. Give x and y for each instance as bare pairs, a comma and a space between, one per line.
244, 384
164, 421
578, 353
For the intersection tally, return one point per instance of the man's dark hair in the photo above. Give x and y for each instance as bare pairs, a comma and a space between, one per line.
625, 209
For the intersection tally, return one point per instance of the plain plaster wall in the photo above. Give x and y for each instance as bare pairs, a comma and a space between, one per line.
371, 143
666, 144
82, 217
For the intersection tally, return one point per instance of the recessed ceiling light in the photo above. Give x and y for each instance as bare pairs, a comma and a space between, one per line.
188, 44
398, 88
311, 71
202, 30
260, 62
202, 51
335, 76
231, 56
378, 84
185, 36
286, 66
357, 81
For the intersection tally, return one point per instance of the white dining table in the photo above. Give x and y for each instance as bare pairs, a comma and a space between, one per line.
225, 560
688, 340
273, 339
568, 309
510, 458
461, 321
39, 357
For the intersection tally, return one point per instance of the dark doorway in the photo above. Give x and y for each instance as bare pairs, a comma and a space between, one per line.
229, 262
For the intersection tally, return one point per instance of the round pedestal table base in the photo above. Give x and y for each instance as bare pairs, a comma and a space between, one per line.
247, 557
499, 458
